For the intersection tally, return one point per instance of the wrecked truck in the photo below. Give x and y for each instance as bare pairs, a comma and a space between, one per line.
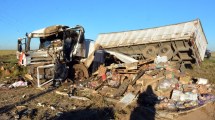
58, 56
184, 42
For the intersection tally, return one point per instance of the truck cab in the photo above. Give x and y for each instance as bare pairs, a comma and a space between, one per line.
56, 45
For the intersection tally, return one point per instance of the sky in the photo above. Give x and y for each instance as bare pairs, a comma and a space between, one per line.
101, 16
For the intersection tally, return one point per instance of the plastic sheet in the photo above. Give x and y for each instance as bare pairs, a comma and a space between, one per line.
160, 59
18, 84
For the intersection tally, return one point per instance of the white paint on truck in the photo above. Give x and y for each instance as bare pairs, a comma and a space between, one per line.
174, 32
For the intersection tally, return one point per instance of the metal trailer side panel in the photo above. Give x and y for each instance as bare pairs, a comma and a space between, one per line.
181, 31
158, 34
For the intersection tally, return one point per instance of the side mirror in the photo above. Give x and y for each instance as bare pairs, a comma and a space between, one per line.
19, 47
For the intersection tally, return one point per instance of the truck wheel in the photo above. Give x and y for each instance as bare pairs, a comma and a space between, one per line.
166, 50
80, 72
150, 52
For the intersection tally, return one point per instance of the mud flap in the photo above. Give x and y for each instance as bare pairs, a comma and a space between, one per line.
61, 72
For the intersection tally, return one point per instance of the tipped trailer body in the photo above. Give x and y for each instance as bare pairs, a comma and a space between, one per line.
185, 42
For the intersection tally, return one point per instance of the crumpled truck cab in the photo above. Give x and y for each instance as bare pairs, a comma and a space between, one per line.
56, 44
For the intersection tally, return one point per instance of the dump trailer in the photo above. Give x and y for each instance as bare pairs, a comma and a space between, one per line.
184, 42
58, 55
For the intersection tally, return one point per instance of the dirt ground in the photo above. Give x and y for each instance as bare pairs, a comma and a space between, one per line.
27, 103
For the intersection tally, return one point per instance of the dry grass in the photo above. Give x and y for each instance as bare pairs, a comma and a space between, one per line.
8, 56
7, 52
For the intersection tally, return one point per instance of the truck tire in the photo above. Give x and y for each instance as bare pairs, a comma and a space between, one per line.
150, 52
80, 72
166, 50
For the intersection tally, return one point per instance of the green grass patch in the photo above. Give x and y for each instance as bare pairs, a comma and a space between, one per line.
206, 69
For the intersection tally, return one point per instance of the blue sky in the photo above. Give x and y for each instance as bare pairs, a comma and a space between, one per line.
100, 16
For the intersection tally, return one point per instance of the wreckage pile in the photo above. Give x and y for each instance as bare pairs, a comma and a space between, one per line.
167, 86
171, 88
